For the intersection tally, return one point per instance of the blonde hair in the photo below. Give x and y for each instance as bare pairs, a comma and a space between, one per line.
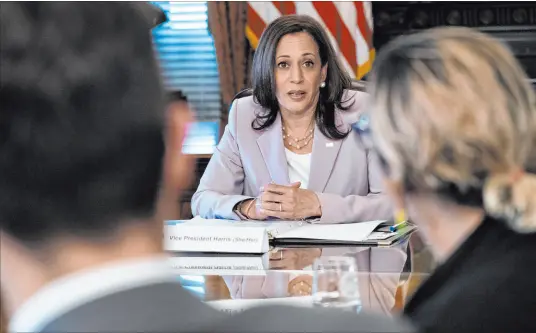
452, 112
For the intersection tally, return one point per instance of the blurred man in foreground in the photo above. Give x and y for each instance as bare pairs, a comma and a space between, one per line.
82, 157
81, 146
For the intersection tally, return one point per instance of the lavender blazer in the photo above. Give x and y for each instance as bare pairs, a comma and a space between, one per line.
345, 176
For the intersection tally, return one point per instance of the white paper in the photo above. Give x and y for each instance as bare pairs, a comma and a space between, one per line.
227, 236
273, 228
344, 232
381, 235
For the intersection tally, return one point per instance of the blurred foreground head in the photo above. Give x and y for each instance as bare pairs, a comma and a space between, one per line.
82, 128
454, 116
81, 121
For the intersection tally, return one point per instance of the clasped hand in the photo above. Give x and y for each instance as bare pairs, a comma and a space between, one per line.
286, 203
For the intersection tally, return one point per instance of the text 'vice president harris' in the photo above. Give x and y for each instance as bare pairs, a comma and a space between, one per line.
288, 151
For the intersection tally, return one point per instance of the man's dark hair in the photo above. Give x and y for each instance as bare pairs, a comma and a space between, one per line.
263, 76
81, 119
176, 96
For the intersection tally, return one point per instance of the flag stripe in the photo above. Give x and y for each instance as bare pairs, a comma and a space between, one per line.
338, 29
348, 26
367, 8
308, 8
285, 7
348, 14
362, 23
255, 24
266, 10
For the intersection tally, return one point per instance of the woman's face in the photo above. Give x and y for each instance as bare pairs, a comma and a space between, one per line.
298, 73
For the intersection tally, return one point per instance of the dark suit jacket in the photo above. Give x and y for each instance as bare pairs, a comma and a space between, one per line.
294, 319
166, 307
487, 285
163, 307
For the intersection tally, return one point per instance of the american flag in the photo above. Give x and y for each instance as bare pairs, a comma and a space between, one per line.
348, 24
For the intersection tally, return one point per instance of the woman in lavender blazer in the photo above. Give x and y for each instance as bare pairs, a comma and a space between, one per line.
290, 145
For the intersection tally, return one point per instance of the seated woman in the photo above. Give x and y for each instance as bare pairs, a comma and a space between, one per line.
453, 120
290, 144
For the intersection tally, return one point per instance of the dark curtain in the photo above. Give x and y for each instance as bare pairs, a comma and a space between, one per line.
227, 24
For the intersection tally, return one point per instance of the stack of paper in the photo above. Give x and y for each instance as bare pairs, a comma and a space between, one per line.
201, 235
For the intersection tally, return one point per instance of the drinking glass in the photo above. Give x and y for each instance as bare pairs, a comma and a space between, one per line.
335, 283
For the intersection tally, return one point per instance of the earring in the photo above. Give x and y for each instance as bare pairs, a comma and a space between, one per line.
323, 84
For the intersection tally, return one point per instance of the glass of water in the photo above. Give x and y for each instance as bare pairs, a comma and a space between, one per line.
335, 283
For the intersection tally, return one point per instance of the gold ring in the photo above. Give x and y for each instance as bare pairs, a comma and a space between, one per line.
280, 207
281, 255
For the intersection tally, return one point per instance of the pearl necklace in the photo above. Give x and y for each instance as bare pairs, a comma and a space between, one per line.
297, 143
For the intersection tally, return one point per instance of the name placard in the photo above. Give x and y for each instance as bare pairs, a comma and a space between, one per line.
198, 238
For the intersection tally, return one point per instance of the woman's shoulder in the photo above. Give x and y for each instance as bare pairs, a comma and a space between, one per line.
245, 101
354, 102
352, 98
244, 107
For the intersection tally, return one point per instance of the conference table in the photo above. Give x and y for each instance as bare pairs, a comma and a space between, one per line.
387, 276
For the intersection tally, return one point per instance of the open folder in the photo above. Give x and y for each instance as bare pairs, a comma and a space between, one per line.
225, 236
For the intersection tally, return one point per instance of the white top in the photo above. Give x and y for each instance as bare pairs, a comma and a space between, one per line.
299, 166
69, 292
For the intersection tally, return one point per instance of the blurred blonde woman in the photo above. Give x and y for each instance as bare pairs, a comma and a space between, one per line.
453, 119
